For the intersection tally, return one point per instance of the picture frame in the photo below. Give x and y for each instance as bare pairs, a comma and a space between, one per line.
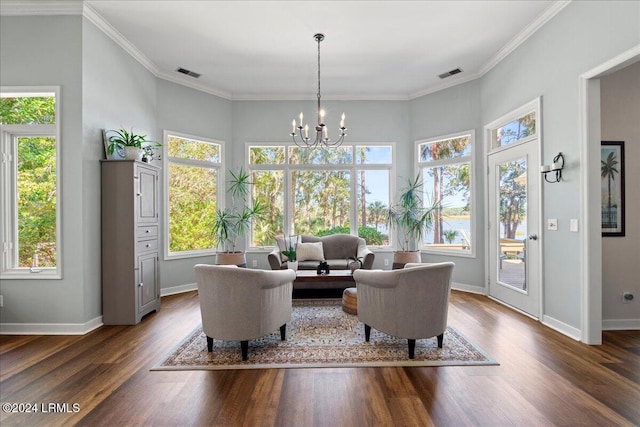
612, 188
118, 153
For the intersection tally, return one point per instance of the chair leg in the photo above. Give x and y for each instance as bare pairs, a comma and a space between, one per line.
209, 344
244, 348
412, 348
440, 338
283, 332
367, 332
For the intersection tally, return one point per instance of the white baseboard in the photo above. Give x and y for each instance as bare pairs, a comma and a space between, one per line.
50, 328
621, 325
468, 288
178, 289
562, 327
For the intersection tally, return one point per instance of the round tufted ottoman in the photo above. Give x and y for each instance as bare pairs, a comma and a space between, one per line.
350, 301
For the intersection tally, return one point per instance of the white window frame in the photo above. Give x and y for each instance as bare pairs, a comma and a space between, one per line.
8, 186
220, 194
288, 168
472, 200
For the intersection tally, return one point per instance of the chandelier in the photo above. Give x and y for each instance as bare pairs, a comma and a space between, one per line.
300, 131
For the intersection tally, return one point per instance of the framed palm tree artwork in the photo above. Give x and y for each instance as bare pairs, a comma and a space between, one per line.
612, 187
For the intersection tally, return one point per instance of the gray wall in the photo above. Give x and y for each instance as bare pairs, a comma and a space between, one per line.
118, 92
48, 51
452, 110
548, 64
620, 110
185, 110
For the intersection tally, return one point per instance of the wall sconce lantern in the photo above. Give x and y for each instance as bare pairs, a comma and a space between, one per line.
556, 166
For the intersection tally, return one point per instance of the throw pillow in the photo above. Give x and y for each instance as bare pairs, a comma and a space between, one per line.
310, 251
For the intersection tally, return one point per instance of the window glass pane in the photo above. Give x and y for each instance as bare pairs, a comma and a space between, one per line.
450, 187
26, 110
321, 156
268, 190
514, 131
266, 155
373, 203
36, 201
373, 155
191, 149
192, 206
321, 202
445, 149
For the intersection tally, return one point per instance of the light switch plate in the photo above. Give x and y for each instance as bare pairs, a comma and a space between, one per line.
552, 224
573, 225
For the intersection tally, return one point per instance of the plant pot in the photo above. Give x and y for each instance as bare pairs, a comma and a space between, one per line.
400, 258
132, 153
293, 265
231, 258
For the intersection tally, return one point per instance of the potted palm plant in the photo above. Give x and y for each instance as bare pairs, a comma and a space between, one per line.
127, 141
231, 223
411, 219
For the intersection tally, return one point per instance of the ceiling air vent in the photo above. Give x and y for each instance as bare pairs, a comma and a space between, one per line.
450, 73
188, 72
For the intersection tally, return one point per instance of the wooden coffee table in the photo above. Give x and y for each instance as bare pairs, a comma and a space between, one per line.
309, 276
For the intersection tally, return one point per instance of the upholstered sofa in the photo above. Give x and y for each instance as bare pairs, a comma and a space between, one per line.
336, 250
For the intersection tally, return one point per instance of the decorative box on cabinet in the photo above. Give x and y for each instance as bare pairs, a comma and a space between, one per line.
130, 249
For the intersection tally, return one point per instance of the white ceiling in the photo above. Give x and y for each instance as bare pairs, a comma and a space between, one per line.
372, 49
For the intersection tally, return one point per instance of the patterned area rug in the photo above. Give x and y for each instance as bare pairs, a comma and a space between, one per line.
320, 334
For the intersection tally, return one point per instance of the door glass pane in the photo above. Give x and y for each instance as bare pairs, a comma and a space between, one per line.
512, 223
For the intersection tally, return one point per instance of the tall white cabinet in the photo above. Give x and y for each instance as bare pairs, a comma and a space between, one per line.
130, 247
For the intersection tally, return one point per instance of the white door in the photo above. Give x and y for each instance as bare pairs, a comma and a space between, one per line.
514, 238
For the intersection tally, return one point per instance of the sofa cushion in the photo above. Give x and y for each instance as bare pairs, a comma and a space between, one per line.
340, 246
310, 252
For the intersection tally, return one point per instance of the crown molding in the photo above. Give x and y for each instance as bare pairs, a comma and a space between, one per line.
455, 81
193, 85
523, 35
31, 7
309, 97
96, 19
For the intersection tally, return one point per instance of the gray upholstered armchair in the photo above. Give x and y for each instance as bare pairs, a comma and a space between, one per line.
409, 303
240, 304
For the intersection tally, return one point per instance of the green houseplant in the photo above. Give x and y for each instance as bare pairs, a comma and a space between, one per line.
127, 142
410, 218
231, 223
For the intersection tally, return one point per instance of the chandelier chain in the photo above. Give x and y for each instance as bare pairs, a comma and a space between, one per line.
322, 132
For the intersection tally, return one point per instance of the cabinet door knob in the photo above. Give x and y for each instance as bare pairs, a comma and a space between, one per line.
141, 284
147, 231
148, 245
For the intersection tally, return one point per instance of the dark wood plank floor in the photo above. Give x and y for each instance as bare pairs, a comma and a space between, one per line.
544, 379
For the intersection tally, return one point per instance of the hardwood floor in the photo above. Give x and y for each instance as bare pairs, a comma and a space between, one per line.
544, 379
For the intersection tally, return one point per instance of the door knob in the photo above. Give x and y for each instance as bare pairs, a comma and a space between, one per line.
533, 237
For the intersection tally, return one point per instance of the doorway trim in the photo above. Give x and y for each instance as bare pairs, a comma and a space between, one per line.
591, 239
